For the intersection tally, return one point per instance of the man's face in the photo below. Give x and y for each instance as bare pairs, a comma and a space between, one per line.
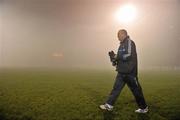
121, 36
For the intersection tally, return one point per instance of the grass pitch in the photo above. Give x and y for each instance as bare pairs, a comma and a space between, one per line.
27, 94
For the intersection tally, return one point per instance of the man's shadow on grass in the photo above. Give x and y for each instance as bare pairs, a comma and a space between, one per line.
143, 116
95, 95
108, 115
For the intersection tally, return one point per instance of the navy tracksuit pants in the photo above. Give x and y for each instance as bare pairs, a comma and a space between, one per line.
133, 84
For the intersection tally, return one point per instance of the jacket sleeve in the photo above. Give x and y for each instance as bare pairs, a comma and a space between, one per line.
129, 49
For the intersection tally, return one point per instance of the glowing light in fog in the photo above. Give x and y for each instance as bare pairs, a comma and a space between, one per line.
126, 13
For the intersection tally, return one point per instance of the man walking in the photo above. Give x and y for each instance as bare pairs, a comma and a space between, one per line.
126, 65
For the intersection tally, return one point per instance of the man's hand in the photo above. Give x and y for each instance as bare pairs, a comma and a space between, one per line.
112, 57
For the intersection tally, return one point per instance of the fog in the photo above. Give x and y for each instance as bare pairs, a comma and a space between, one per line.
79, 33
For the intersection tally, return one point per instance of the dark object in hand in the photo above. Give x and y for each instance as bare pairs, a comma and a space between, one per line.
112, 57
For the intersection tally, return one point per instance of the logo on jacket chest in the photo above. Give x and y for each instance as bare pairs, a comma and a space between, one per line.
122, 49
